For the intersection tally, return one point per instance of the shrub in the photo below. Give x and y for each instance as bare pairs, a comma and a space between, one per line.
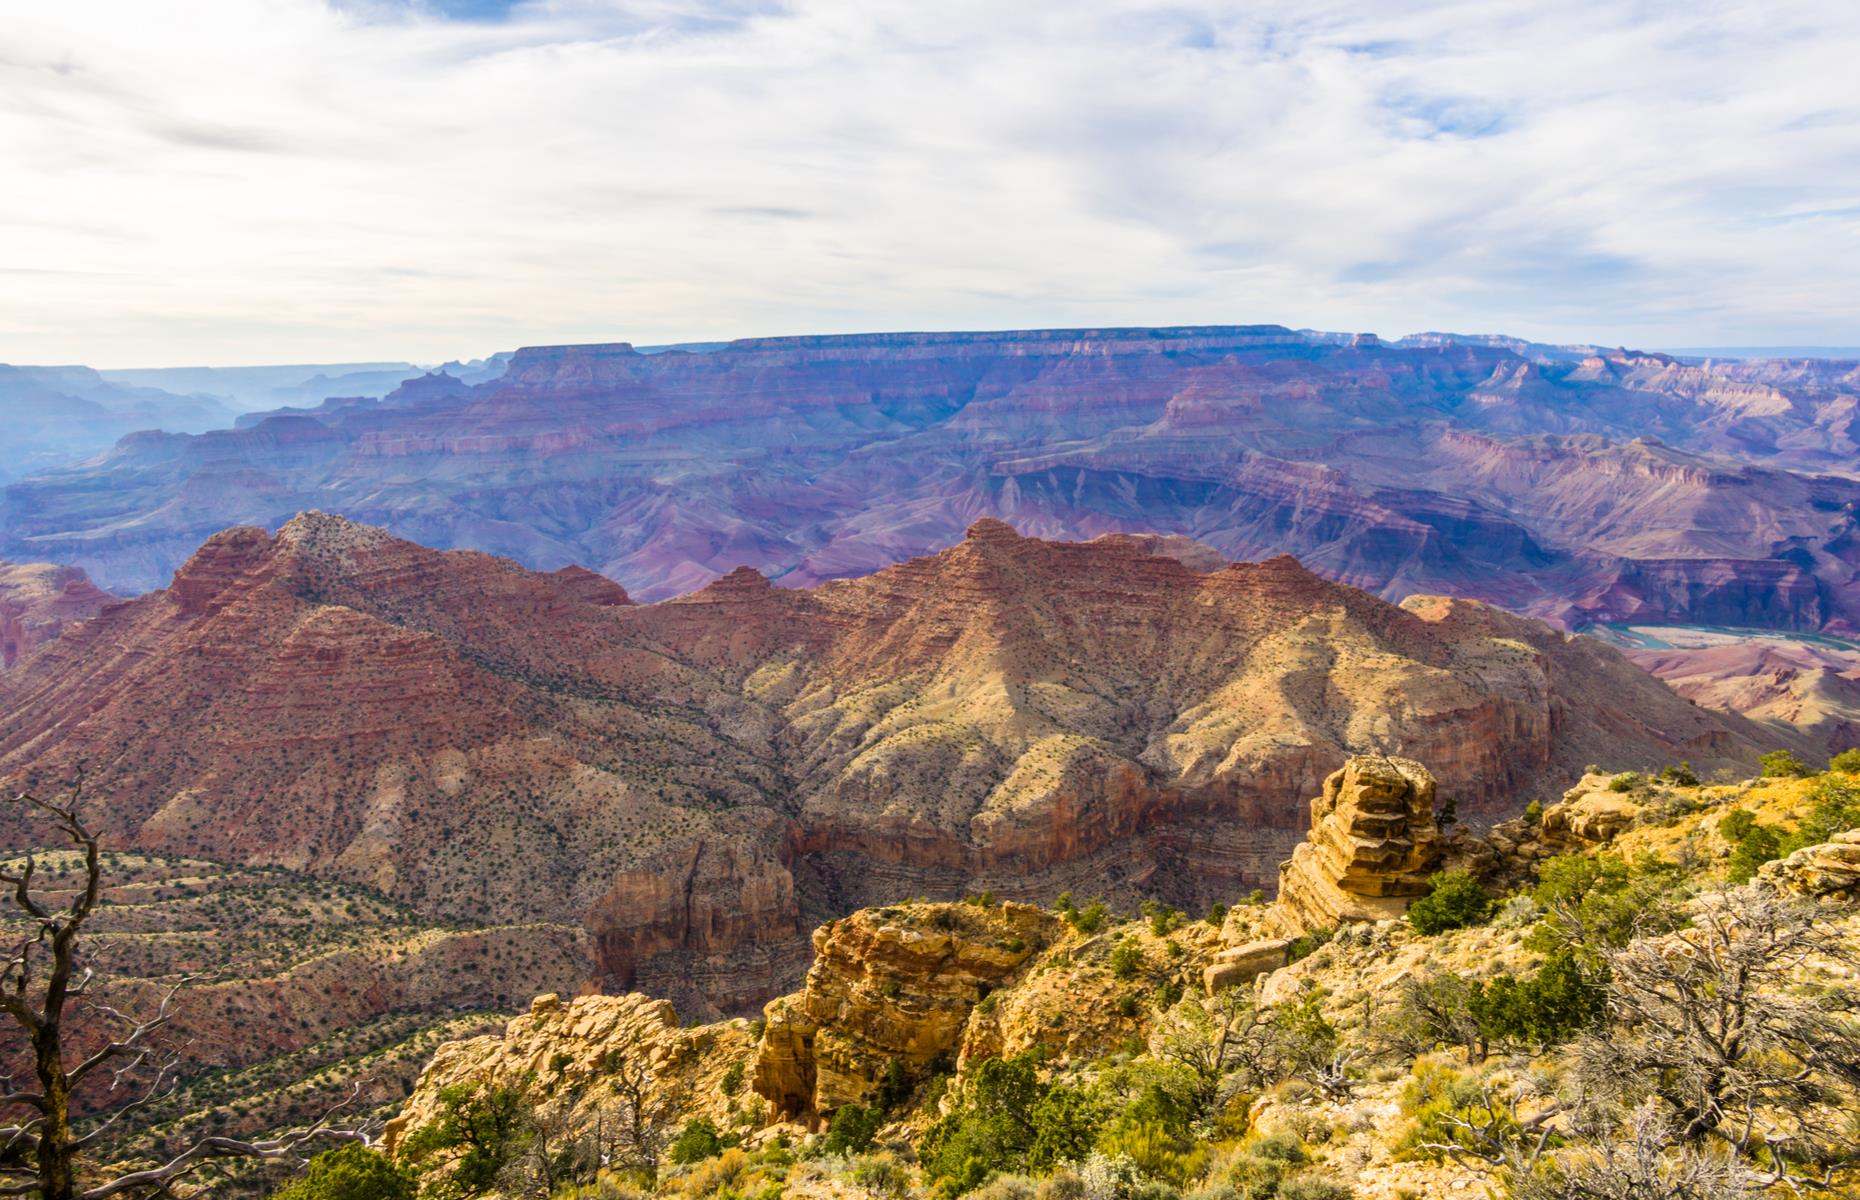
1549, 1007
1306, 944
489, 1124
893, 1087
1089, 919
1217, 912
1847, 762
852, 1129
882, 1176
1600, 901
1007, 1187
698, 1141
1680, 776
733, 1078
1006, 1120
1454, 900
1627, 781
1534, 814
1758, 845
1735, 824
1126, 959
352, 1172
1315, 1187
1783, 764
1837, 807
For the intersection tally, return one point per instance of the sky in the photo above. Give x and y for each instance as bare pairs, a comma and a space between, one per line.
248, 181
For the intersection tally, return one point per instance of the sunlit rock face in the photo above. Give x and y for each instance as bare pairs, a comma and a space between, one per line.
698, 782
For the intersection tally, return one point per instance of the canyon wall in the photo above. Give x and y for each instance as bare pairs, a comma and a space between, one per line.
1575, 485
697, 782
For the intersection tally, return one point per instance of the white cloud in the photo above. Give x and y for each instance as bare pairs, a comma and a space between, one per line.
263, 180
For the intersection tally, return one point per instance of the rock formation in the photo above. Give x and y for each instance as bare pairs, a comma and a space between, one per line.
889, 985
1828, 871
37, 602
698, 781
1575, 485
1589, 814
1372, 845
562, 1046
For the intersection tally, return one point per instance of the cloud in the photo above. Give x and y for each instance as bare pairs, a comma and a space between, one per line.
291, 179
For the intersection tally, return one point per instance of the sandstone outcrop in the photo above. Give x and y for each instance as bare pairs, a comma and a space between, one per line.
561, 1051
1829, 871
1588, 815
1372, 845
699, 781
895, 984
1578, 487
1242, 964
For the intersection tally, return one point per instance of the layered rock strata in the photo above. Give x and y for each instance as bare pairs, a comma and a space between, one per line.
698, 781
891, 985
1372, 845
1578, 485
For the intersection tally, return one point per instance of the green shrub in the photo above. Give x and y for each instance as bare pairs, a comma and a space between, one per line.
1680, 776
1836, 808
733, 1078
1758, 845
1551, 1006
1126, 959
1597, 901
1454, 900
1735, 824
698, 1141
1783, 764
1534, 814
1315, 1187
1306, 944
852, 1129
1006, 1120
894, 1087
1627, 781
1217, 912
1089, 919
490, 1125
1847, 762
352, 1172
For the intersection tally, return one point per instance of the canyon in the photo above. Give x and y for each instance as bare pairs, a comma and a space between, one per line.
1576, 484
697, 782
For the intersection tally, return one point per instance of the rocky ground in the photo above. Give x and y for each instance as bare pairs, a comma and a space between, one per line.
906, 1007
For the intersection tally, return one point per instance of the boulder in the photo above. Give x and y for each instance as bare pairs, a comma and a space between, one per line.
1243, 964
1588, 815
1829, 871
1372, 845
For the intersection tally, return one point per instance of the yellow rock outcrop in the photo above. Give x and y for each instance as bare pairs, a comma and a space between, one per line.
1372, 844
561, 1048
889, 984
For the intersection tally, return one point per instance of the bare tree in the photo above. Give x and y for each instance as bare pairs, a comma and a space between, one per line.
41, 980
555, 1151
1648, 1163
640, 1122
1719, 1024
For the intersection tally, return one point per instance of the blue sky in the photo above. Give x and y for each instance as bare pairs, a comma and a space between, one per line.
289, 180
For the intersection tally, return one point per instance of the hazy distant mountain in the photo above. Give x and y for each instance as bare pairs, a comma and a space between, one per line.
50, 416
257, 388
1570, 483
